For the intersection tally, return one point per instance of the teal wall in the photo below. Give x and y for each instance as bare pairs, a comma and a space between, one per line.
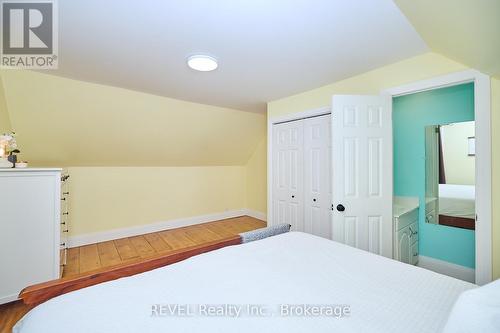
411, 114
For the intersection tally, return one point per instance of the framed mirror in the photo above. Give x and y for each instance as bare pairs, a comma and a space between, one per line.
450, 174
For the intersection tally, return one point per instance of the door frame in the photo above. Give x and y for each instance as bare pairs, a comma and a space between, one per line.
482, 117
278, 120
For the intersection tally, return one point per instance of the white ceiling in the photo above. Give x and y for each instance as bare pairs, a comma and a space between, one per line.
266, 49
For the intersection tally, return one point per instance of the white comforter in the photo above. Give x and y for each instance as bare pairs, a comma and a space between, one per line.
457, 200
383, 295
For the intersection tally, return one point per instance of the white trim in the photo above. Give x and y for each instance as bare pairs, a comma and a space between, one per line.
446, 268
256, 214
103, 236
482, 110
443, 81
276, 120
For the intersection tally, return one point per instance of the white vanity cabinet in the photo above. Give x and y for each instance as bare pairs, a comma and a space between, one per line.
30, 201
406, 235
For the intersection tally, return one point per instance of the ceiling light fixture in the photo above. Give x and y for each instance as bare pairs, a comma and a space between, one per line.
202, 63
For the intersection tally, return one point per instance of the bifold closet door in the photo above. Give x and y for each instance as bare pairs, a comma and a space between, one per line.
288, 171
317, 176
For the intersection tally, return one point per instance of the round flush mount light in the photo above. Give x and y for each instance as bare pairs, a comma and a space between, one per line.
202, 63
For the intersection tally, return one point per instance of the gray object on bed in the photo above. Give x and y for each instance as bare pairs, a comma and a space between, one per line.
262, 233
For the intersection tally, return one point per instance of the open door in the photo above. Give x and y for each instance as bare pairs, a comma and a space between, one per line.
362, 172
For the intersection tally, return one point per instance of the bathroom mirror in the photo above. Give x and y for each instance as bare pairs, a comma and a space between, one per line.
450, 174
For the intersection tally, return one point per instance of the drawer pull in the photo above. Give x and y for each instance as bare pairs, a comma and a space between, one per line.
63, 244
65, 193
63, 223
67, 230
65, 213
415, 254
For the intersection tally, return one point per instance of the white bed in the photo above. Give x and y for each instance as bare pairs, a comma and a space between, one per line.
457, 200
295, 268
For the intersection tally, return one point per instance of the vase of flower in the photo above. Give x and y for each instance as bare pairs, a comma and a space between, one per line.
8, 147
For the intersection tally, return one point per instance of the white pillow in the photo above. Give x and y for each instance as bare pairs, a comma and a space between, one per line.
476, 310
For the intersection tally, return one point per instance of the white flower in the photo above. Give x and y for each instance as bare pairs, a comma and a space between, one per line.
12, 144
5, 138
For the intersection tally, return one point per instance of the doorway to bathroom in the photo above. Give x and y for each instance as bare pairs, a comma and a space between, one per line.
434, 177
446, 191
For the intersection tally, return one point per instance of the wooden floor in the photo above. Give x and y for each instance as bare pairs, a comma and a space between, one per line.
102, 256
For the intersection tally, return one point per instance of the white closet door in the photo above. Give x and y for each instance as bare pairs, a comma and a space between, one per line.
362, 172
317, 171
288, 183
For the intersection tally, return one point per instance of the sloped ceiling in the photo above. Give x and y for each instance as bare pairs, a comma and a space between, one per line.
467, 31
267, 49
63, 122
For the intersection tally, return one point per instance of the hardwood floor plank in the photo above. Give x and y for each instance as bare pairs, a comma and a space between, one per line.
143, 248
125, 248
72, 262
108, 254
157, 242
220, 230
176, 239
89, 258
201, 234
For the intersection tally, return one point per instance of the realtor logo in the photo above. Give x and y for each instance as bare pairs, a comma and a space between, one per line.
29, 34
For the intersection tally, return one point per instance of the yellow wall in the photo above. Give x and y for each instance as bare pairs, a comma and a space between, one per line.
406, 71
459, 167
136, 158
105, 198
409, 70
64, 122
4, 115
257, 179
463, 30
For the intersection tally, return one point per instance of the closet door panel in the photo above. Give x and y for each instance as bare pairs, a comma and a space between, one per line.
317, 173
288, 174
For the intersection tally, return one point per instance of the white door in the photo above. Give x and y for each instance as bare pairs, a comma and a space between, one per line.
288, 193
362, 172
317, 171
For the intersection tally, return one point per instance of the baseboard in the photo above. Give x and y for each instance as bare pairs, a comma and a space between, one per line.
103, 236
446, 268
256, 214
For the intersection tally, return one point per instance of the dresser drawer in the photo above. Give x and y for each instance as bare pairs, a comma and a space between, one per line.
414, 254
413, 230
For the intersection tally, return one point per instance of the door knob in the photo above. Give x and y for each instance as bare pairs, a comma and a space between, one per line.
340, 207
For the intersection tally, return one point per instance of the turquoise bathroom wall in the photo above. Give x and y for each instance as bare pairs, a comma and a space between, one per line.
411, 113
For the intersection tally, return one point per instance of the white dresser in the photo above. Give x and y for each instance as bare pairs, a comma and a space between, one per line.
30, 201
406, 229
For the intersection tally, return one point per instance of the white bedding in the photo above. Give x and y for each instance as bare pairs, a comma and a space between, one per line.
294, 268
457, 200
